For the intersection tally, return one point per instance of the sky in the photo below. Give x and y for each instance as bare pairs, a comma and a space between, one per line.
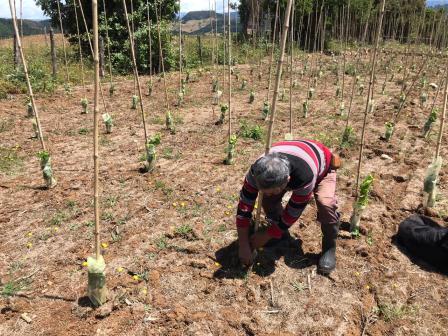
32, 11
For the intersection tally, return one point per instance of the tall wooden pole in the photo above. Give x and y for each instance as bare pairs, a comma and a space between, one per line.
53, 54
369, 97
67, 79
134, 67
275, 97
230, 69
442, 118
27, 77
96, 162
272, 49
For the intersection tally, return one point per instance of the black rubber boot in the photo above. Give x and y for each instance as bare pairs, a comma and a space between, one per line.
327, 261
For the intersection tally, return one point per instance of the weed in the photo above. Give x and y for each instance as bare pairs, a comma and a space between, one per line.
10, 161
10, 288
161, 185
222, 228
298, 286
83, 131
184, 230
390, 312
107, 216
58, 218
89, 223
254, 132
161, 242
110, 201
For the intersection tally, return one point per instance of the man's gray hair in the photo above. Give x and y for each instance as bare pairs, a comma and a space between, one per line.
271, 171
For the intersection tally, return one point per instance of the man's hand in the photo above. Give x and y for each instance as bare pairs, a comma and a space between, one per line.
259, 239
245, 253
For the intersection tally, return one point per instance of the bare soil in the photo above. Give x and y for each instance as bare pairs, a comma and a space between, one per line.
170, 235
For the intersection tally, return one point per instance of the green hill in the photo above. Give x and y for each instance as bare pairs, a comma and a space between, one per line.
30, 27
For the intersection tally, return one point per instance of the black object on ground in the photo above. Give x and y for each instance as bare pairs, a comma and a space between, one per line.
426, 240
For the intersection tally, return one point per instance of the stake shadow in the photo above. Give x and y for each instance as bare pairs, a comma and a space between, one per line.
264, 264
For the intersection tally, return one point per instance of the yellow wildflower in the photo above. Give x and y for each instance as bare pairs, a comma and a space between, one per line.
218, 189
217, 264
29, 234
29, 245
104, 245
84, 263
120, 269
136, 277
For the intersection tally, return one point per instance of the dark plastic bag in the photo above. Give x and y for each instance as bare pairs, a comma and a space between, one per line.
425, 239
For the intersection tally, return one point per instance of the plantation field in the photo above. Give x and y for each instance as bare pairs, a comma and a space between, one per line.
168, 236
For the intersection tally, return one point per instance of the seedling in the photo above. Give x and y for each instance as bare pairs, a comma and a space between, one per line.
96, 290
111, 90
389, 130
169, 123
361, 203
311, 93
429, 122
342, 109
254, 132
35, 129
243, 84
108, 122
216, 97
265, 110
430, 182
348, 137
134, 102
47, 171
423, 99
85, 105
29, 110
305, 108
215, 85
338, 91
150, 86
251, 96
230, 150
361, 89
224, 109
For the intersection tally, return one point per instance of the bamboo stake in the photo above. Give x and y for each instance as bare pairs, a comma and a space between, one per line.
91, 50
229, 69
291, 63
136, 76
108, 45
96, 162
274, 98
79, 47
272, 49
442, 119
369, 98
67, 78
27, 77
180, 50
161, 59
149, 42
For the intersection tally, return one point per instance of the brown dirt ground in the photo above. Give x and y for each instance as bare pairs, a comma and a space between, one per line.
189, 282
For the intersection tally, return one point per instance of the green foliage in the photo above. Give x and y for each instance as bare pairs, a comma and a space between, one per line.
249, 131
155, 139
348, 137
364, 191
266, 109
119, 39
